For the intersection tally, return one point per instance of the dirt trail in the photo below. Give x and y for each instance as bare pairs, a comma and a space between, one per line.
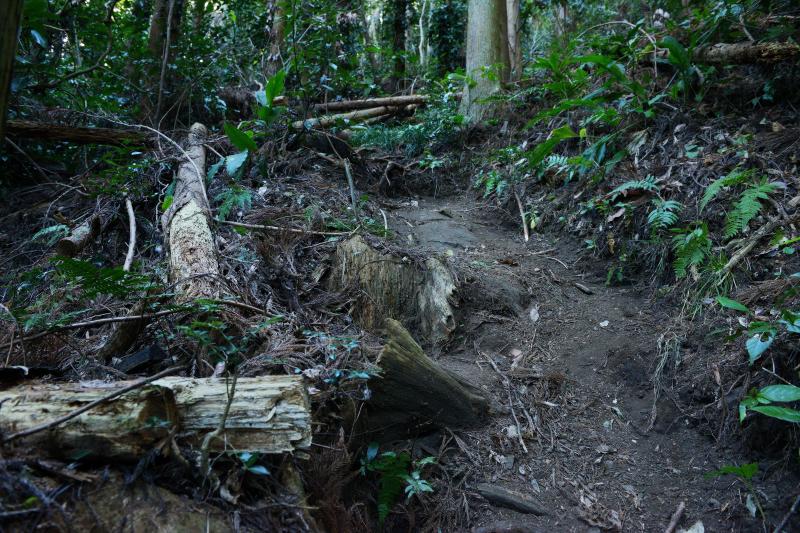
580, 388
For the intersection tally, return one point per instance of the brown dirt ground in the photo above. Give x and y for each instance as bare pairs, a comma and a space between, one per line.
581, 391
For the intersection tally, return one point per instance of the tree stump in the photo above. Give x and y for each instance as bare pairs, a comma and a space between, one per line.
413, 393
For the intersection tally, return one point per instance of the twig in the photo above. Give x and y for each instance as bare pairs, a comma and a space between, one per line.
218, 431
788, 515
740, 254
91, 405
278, 228
583, 288
507, 383
164, 59
676, 517
522, 214
132, 230
352, 185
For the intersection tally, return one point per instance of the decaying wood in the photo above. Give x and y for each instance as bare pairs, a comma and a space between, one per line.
193, 264
75, 242
353, 116
746, 52
75, 134
387, 286
369, 103
511, 499
268, 414
413, 392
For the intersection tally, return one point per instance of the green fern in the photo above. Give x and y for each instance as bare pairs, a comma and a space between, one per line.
95, 281
235, 197
736, 176
691, 247
648, 184
748, 206
664, 215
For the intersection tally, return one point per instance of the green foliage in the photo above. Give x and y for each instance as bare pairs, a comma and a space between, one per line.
692, 247
733, 178
234, 197
760, 401
747, 207
95, 280
744, 473
51, 234
648, 184
664, 214
394, 470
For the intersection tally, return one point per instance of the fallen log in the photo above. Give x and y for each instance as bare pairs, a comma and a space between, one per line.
510, 499
268, 414
413, 393
76, 241
76, 134
369, 103
193, 265
353, 116
389, 287
746, 53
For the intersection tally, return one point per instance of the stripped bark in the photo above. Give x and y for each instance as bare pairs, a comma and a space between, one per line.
746, 52
76, 134
413, 392
369, 103
268, 414
193, 265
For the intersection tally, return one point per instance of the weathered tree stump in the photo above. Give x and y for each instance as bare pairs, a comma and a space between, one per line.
387, 286
414, 393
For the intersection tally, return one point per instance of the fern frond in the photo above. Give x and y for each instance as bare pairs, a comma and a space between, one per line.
691, 247
747, 207
664, 215
647, 184
734, 177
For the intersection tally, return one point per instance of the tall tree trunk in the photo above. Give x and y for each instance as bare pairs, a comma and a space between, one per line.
165, 24
372, 18
487, 47
10, 12
424, 23
277, 35
197, 16
514, 46
399, 43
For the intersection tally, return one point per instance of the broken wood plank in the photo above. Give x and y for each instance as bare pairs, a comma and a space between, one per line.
353, 116
268, 414
76, 241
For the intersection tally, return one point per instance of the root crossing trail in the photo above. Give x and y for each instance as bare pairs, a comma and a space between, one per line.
569, 364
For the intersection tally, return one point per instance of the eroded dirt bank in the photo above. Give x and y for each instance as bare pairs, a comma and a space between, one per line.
570, 365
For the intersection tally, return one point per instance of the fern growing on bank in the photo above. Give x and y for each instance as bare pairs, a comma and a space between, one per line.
664, 215
733, 178
747, 207
691, 248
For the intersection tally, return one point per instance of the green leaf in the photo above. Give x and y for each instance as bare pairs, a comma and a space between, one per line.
756, 346
781, 413
745, 471
781, 393
213, 169
239, 139
258, 470
41, 41
678, 55
234, 162
729, 303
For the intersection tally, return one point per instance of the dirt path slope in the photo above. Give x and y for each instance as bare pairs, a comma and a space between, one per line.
569, 363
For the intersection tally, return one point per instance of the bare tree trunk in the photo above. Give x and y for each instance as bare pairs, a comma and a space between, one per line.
10, 12
487, 46
514, 46
277, 35
197, 18
399, 43
76, 134
424, 23
372, 17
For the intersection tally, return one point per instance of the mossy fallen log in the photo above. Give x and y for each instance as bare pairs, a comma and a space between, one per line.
268, 414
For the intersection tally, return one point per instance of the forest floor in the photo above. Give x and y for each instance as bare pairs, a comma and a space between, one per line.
570, 364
